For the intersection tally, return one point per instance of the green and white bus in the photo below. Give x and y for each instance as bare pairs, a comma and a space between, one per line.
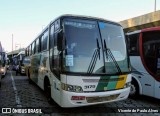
79, 61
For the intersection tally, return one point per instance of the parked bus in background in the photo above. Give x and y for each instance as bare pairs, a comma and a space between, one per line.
3, 66
144, 51
14, 62
26, 63
80, 61
20, 59
1, 62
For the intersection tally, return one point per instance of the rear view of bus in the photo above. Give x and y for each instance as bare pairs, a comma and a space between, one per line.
85, 63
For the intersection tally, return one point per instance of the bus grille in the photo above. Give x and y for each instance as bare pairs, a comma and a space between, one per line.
101, 99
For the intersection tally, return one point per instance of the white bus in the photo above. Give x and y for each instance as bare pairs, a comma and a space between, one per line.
80, 61
3, 66
20, 59
14, 62
144, 51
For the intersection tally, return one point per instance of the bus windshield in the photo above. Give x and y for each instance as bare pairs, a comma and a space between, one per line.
113, 37
84, 51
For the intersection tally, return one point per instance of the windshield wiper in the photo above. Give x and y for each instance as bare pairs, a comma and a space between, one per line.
94, 59
109, 55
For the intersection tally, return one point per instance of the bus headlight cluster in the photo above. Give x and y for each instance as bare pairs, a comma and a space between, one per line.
127, 85
1, 69
72, 88
22, 69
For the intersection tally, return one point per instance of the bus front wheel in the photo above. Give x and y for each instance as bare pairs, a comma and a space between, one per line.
134, 92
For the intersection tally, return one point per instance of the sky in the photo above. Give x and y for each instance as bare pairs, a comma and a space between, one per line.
25, 19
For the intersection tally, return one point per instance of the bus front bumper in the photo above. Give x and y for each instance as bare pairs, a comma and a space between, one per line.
72, 99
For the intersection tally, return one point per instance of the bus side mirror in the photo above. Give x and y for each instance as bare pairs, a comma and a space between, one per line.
60, 42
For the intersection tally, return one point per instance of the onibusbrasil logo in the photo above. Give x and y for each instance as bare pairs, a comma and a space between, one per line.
21, 110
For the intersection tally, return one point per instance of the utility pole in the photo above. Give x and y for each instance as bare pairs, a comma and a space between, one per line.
12, 45
155, 6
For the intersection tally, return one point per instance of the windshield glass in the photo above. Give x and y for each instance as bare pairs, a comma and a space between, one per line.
81, 43
15, 62
84, 51
115, 42
26, 61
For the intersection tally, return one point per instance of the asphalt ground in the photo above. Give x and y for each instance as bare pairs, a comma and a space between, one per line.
18, 95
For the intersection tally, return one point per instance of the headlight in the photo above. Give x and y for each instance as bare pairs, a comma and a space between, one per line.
2, 69
71, 88
127, 85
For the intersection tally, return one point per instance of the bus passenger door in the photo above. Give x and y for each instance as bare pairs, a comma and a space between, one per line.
54, 64
157, 83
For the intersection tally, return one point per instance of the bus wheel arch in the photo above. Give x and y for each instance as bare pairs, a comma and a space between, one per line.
47, 88
135, 88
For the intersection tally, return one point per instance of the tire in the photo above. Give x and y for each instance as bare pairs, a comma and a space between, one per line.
134, 92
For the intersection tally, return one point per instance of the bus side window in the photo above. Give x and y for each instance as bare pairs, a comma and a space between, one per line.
133, 41
33, 47
55, 51
30, 50
41, 42
51, 41
51, 45
26, 52
37, 45
54, 56
44, 40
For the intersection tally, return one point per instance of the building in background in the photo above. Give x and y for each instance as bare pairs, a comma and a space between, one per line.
141, 22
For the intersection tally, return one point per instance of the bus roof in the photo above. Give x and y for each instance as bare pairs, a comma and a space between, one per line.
134, 32
83, 17
74, 16
22, 52
151, 29
144, 30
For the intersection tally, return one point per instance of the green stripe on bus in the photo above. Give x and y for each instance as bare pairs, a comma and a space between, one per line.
102, 84
112, 84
